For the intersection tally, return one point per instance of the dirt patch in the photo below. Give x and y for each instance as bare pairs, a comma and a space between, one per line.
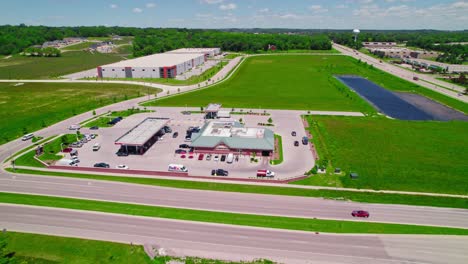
439, 111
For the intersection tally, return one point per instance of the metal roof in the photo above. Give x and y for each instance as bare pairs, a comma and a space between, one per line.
213, 108
194, 50
156, 60
142, 132
233, 135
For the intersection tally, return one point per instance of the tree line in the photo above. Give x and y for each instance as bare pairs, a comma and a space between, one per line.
168, 39
15, 39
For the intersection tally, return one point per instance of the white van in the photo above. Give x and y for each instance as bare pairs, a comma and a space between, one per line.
96, 147
74, 127
177, 168
230, 158
28, 136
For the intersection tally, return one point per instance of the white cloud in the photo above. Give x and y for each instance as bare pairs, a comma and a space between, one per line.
150, 5
229, 6
317, 9
341, 6
113, 6
137, 10
264, 10
366, 1
211, 2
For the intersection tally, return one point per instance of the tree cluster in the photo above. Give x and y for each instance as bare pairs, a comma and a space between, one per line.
41, 52
161, 40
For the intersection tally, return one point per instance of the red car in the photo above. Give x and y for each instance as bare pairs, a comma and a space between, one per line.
360, 213
200, 157
67, 150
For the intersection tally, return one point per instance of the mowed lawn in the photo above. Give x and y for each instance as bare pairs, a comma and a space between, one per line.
42, 249
31, 106
393, 154
279, 82
304, 82
20, 67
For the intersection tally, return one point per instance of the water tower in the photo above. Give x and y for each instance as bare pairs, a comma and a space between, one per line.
356, 33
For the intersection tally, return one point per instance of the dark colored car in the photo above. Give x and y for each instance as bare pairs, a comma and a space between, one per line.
122, 154
305, 140
101, 165
167, 129
184, 146
176, 134
180, 151
67, 150
360, 213
219, 172
94, 128
223, 157
293, 133
200, 157
296, 143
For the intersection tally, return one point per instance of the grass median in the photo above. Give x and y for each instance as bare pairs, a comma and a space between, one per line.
45, 249
291, 223
367, 197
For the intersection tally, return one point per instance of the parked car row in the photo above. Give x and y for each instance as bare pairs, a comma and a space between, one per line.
86, 138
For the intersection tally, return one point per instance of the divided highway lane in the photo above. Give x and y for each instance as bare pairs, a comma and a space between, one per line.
231, 202
237, 243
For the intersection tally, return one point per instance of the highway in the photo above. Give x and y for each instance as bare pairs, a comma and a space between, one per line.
217, 241
231, 202
435, 85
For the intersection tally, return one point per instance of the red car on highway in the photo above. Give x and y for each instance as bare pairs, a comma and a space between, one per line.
360, 213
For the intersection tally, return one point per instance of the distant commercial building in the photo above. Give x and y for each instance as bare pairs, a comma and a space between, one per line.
450, 68
233, 137
375, 45
423, 54
391, 53
209, 52
140, 138
161, 65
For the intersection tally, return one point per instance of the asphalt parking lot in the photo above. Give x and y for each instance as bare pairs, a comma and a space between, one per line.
297, 160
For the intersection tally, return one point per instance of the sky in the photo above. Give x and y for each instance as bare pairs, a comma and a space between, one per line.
307, 14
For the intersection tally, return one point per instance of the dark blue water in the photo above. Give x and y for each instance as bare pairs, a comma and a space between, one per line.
384, 100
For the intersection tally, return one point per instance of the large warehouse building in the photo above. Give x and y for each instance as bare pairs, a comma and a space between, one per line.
161, 65
231, 136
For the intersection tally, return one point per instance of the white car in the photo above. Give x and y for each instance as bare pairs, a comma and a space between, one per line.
216, 158
122, 167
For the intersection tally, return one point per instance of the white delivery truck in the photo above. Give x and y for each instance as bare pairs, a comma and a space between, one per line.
96, 147
177, 168
230, 158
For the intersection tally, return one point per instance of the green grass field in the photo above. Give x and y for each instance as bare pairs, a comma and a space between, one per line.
19, 67
298, 82
279, 222
36, 105
394, 154
42, 249
366, 197
279, 82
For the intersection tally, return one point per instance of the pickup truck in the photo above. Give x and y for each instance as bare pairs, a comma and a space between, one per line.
265, 173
